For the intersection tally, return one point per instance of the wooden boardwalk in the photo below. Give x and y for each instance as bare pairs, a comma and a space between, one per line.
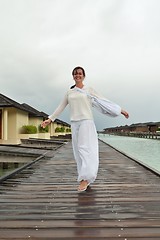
42, 202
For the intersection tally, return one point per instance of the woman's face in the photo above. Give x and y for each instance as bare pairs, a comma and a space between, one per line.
78, 75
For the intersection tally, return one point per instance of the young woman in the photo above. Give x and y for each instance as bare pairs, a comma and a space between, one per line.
84, 134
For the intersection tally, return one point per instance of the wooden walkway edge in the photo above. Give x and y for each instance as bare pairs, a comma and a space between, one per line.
42, 201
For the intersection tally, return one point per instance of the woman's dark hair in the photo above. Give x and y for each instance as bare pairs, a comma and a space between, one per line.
75, 70
73, 86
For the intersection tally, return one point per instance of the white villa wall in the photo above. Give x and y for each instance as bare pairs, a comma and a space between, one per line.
12, 121
12, 130
22, 119
36, 121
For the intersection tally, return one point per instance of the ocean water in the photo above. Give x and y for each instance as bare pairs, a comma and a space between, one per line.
145, 150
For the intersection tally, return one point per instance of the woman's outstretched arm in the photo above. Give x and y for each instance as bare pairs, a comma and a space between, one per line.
56, 113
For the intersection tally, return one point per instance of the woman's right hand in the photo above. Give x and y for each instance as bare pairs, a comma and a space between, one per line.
45, 123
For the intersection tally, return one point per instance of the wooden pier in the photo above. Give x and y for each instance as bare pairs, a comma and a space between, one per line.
149, 135
42, 201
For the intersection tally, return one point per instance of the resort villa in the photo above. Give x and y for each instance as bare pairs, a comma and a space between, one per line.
21, 121
148, 127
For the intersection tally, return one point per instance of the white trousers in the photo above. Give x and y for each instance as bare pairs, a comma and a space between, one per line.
85, 149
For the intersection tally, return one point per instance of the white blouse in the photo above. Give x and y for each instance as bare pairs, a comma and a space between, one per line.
79, 103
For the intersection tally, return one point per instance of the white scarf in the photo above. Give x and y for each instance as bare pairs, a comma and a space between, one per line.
104, 106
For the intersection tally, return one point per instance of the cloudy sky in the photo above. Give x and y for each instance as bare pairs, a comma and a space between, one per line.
116, 41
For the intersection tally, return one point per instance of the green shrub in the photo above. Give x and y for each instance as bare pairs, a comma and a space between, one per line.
29, 129
43, 130
68, 130
59, 129
62, 129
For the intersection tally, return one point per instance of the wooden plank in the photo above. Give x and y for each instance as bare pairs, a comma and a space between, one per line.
93, 223
42, 202
81, 233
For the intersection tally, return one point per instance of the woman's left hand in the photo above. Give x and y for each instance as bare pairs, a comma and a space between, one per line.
126, 114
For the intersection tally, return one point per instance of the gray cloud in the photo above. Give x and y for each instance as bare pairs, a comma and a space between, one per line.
116, 41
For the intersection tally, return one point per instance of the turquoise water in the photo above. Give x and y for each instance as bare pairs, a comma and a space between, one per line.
145, 150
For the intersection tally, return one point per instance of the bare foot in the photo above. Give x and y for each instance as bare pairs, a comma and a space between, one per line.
83, 185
